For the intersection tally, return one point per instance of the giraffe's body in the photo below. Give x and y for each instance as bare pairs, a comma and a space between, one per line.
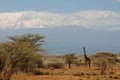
87, 60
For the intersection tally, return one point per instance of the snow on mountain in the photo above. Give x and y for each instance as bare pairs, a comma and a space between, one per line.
66, 32
89, 19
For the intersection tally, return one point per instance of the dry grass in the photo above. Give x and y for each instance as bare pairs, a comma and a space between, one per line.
75, 73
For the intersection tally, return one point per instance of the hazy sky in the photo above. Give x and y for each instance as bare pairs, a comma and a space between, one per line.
58, 5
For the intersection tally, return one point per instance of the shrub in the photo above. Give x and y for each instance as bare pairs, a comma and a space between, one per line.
55, 65
31, 64
53, 62
110, 77
37, 72
104, 54
103, 60
102, 63
111, 73
79, 74
78, 62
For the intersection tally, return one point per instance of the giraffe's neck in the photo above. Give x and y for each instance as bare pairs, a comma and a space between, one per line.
85, 53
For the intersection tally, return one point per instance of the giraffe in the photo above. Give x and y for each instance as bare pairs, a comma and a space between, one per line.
86, 59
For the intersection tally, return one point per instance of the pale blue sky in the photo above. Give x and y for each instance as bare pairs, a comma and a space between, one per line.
58, 5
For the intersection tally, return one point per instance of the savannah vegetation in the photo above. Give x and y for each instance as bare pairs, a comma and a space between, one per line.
22, 58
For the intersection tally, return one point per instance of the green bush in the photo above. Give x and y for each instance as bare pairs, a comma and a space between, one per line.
53, 62
30, 65
78, 62
103, 63
103, 60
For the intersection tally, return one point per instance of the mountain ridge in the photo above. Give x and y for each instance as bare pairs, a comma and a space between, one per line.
60, 40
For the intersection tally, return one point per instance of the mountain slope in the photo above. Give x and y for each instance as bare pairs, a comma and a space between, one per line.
71, 39
66, 32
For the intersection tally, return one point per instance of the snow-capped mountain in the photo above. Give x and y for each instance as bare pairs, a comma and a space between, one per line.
107, 20
66, 32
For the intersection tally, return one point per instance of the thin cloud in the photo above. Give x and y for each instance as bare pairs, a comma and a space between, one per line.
117, 0
107, 20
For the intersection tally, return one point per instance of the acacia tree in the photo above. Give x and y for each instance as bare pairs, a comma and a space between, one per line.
69, 58
18, 49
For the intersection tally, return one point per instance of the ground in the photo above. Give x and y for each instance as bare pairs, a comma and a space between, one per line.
75, 73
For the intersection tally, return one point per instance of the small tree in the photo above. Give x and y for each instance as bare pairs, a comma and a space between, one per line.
20, 49
103, 60
69, 58
102, 64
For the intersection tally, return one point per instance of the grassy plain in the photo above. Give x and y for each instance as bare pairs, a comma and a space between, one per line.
75, 73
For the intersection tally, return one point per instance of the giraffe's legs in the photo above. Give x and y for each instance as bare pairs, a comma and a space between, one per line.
89, 65
85, 64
